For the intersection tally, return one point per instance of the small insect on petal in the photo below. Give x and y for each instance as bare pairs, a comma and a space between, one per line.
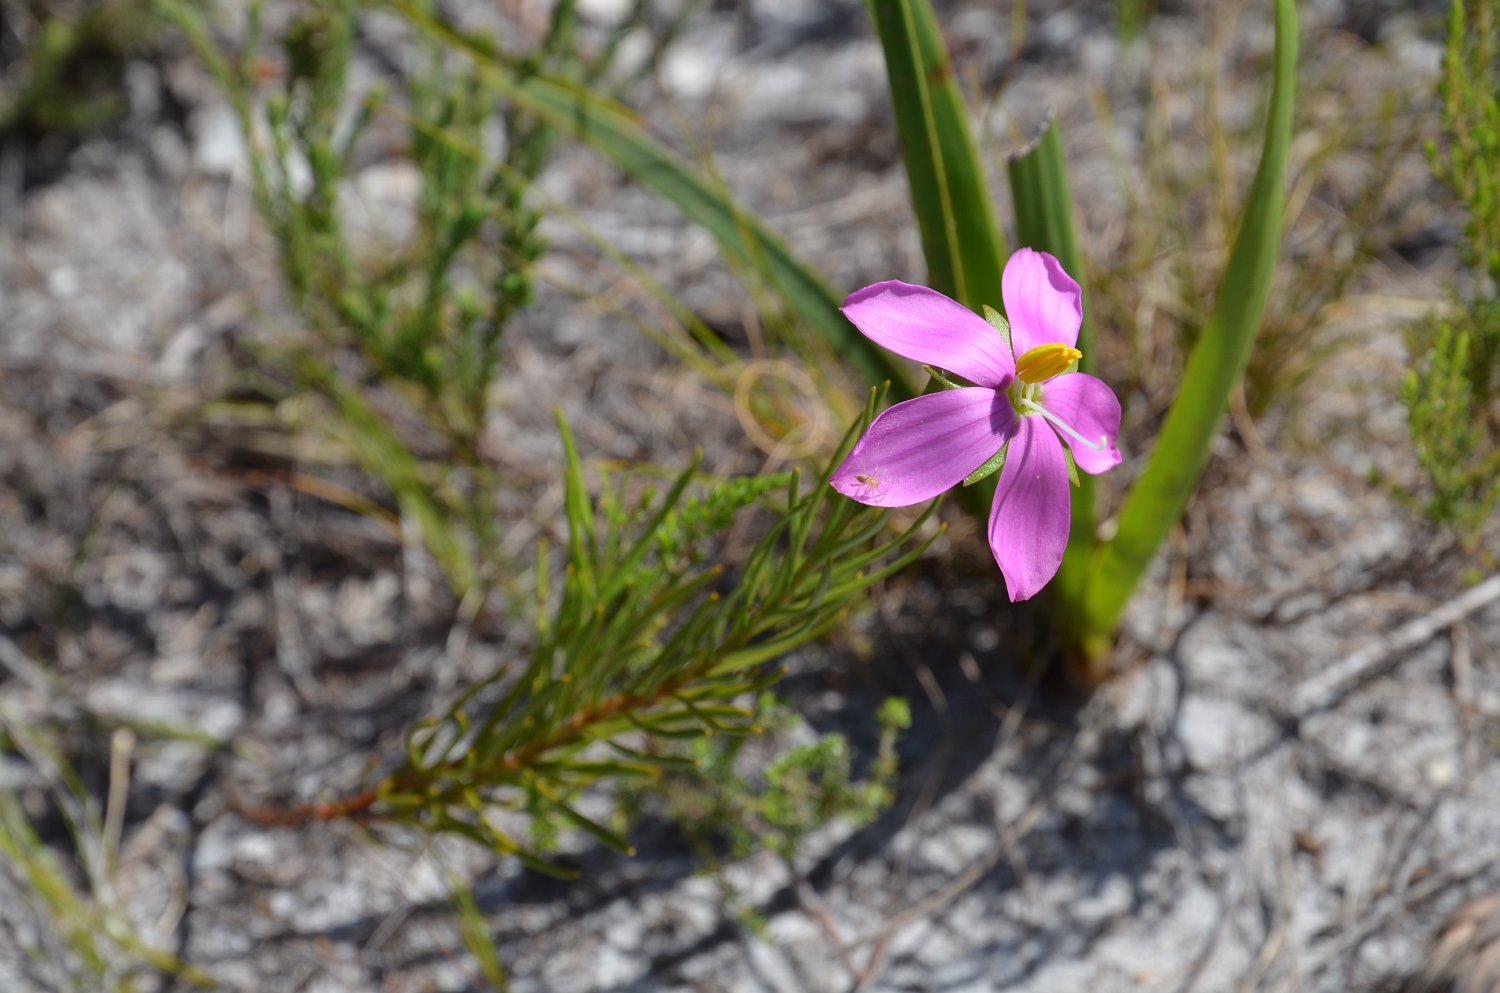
1039, 364
870, 479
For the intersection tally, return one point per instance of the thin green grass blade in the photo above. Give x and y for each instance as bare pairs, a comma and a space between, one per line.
582, 547
598, 831
637, 551
1044, 217
1161, 494
1132, 15
475, 932
1044, 221
964, 247
615, 133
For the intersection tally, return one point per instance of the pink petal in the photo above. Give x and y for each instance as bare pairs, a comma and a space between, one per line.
1042, 302
1029, 520
925, 326
922, 447
1089, 407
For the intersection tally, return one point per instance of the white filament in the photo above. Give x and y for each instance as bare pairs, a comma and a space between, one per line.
1103, 439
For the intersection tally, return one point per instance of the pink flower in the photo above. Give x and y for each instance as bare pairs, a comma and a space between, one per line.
1022, 401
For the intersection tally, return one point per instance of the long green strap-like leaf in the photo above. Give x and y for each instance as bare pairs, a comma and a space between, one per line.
615, 133
1044, 217
1044, 221
964, 247
1159, 497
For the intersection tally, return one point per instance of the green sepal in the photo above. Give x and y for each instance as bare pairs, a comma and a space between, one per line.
1072, 467
998, 322
936, 374
993, 465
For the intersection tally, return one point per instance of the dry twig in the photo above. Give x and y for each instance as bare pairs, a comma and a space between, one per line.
1323, 690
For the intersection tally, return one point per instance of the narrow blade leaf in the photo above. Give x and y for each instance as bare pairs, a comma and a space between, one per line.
1044, 221
964, 247
1161, 494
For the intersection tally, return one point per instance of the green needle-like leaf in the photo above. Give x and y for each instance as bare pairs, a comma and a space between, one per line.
942, 380
624, 570
1073, 476
580, 514
589, 826
475, 932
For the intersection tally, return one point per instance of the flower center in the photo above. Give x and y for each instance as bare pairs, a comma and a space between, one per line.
1039, 364
1021, 394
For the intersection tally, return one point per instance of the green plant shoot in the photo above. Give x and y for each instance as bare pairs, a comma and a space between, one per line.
1449, 393
1044, 221
650, 641
964, 246
1159, 496
1097, 581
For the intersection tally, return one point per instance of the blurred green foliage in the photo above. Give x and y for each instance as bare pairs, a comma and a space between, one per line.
1450, 393
400, 343
63, 71
86, 938
1449, 398
1329, 248
1132, 17
1469, 161
727, 805
798, 308
419, 322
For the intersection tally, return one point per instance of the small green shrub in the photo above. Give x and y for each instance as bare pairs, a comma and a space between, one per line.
650, 651
1449, 400
398, 346
652, 642
1469, 162
1450, 392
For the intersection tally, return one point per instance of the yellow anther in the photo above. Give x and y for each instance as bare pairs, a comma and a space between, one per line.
1039, 364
